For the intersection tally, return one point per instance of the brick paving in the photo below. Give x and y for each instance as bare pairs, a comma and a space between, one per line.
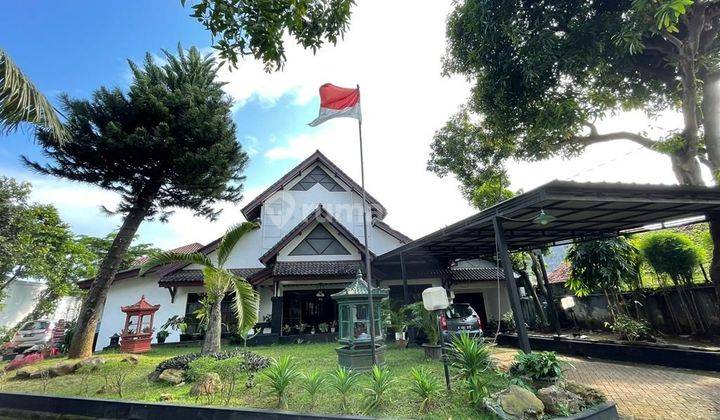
645, 391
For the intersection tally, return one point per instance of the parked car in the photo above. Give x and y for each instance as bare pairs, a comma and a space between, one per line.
33, 333
457, 318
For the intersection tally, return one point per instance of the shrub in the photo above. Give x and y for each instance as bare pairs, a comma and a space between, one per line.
507, 323
312, 383
425, 386
280, 375
538, 365
468, 355
344, 381
629, 329
380, 382
478, 387
425, 320
253, 362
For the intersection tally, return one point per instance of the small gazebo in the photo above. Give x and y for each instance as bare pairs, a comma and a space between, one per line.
354, 323
137, 333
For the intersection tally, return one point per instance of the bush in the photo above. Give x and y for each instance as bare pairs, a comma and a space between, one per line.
312, 383
629, 329
425, 320
538, 366
468, 355
280, 375
252, 362
425, 386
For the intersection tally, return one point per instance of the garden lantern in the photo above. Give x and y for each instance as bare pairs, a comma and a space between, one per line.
137, 334
354, 323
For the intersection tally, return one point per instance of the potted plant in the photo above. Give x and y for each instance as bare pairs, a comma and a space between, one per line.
398, 320
312, 331
287, 329
333, 325
161, 336
539, 368
301, 327
323, 327
427, 322
267, 319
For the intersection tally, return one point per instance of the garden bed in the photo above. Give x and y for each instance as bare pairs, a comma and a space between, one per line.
636, 352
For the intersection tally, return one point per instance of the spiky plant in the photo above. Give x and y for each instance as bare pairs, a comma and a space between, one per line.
425, 386
280, 375
218, 281
21, 102
344, 381
312, 383
380, 382
469, 356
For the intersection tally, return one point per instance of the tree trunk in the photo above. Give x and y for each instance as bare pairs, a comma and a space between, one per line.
536, 300
82, 342
211, 344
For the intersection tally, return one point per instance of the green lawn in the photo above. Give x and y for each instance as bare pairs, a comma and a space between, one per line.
400, 401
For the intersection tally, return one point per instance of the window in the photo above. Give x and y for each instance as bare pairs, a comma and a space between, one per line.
317, 176
320, 242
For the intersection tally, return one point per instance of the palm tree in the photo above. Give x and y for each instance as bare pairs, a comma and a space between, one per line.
218, 281
21, 102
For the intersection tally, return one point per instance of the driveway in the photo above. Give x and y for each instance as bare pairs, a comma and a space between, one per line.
645, 391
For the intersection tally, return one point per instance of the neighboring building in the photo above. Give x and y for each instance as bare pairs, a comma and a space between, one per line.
310, 244
22, 295
558, 277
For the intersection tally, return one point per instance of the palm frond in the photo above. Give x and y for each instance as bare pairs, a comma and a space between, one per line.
245, 304
21, 102
168, 257
231, 238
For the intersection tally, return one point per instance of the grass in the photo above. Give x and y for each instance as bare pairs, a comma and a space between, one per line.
399, 401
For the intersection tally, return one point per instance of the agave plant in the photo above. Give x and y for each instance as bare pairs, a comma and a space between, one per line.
21, 102
218, 281
280, 375
469, 356
380, 382
344, 381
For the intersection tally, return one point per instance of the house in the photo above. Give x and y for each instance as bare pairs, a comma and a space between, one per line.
310, 244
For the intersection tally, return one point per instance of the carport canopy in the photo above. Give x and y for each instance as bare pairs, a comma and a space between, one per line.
581, 211
577, 212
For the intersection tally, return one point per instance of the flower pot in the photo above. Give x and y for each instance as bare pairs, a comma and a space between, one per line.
399, 336
432, 351
401, 344
267, 330
332, 330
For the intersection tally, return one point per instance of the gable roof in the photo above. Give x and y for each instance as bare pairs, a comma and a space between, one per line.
319, 215
392, 232
134, 270
252, 210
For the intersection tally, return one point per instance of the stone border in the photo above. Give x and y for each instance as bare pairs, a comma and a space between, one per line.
114, 409
604, 411
646, 354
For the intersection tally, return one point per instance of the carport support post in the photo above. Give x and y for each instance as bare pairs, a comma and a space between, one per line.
511, 286
403, 275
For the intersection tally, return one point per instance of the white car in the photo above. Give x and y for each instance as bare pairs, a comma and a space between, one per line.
34, 333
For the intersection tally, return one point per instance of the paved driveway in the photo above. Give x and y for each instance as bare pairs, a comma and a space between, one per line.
645, 391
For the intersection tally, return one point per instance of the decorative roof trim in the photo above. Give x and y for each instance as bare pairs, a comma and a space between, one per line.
251, 210
316, 216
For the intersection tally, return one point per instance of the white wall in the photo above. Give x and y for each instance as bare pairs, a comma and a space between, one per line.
22, 295
490, 296
128, 292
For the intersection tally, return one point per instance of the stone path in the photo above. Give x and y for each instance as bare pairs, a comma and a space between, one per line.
645, 391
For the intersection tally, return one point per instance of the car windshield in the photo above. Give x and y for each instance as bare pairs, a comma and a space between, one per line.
35, 325
458, 311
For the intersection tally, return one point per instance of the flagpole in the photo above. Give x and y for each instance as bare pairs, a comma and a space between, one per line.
368, 272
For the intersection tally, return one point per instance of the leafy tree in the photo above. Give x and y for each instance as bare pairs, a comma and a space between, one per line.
258, 27
169, 142
676, 255
607, 265
545, 72
99, 247
21, 102
218, 281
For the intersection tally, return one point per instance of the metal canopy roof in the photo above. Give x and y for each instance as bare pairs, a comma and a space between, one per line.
582, 210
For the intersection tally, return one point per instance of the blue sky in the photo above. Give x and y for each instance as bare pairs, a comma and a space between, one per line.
78, 46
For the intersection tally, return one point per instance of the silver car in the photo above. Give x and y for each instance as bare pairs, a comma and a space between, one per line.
460, 317
34, 333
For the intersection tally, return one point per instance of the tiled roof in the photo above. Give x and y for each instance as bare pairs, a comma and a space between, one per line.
317, 268
196, 276
139, 261
560, 274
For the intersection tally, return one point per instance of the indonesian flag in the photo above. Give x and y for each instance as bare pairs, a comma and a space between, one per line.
336, 102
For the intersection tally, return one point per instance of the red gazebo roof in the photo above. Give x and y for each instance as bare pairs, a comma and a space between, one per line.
141, 306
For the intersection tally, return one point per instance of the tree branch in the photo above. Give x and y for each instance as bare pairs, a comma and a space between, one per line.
595, 138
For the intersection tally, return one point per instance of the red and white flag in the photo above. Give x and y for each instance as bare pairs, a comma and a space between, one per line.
336, 102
